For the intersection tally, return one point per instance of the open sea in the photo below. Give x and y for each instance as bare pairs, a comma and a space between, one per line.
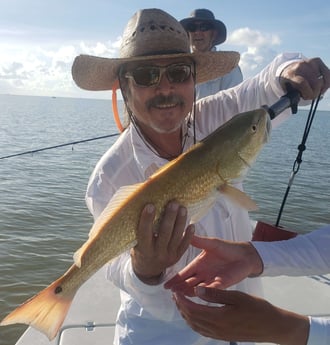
43, 217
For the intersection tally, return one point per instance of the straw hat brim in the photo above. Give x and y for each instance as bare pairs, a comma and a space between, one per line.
97, 73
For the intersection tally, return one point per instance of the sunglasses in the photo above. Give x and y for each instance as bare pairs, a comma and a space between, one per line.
146, 76
204, 26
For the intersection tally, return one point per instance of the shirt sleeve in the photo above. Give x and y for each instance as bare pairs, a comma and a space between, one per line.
153, 299
303, 255
253, 93
319, 332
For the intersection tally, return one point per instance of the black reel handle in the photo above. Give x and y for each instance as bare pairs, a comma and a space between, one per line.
289, 100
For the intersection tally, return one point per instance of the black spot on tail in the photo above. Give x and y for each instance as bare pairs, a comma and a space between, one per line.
58, 290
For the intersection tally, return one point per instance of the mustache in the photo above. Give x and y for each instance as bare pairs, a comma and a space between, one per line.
161, 100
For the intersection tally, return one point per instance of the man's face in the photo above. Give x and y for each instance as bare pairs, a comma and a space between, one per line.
162, 106
202, 38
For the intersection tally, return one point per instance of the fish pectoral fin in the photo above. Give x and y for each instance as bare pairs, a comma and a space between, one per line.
238, 197
199, 209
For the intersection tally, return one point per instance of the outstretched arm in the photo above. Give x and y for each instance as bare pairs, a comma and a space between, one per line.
223, 263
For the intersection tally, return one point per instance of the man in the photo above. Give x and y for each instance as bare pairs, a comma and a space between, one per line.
222, 264
205, 32
157, 75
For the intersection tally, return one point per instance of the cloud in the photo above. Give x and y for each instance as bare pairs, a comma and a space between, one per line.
249, 37
107, 49
45, 70
12, 71
257, 49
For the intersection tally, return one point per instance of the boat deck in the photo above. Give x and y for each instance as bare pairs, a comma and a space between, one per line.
92, 316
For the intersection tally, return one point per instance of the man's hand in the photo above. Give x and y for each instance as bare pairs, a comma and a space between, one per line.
242, 317
155, 252
310, 77
221, 264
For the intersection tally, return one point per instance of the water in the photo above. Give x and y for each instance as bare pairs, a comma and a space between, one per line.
43, 217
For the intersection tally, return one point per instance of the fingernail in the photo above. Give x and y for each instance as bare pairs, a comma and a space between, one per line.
183, 211
174, 206
150, 208
200, 290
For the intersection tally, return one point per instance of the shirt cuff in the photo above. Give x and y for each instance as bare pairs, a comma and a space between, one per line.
140, 285
319, 331
268, 260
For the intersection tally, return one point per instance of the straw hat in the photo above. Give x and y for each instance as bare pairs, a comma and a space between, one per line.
150, 34
204, 15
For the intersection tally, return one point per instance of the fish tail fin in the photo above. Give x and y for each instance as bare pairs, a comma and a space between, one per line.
45, 311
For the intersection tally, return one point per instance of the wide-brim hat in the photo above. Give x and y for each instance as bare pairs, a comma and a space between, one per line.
150, 34
204, 15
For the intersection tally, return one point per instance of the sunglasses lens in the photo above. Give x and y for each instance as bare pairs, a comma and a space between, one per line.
178, 73
193, 27
205, 27
146, 76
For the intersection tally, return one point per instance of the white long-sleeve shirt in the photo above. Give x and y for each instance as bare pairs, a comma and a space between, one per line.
303, 255
148, 314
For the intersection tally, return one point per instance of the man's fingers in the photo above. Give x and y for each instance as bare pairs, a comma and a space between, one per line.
215, 295
145, 228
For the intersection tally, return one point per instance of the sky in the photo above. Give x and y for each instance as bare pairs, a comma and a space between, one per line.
39, 39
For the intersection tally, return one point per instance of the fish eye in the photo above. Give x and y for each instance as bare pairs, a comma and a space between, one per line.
254, 128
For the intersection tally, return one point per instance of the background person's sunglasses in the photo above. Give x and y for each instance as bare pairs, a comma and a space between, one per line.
193, 27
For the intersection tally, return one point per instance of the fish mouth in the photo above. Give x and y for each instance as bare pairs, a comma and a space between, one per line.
268, 129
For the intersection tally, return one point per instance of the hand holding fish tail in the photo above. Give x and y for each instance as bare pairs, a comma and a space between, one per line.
155, 252
310, 77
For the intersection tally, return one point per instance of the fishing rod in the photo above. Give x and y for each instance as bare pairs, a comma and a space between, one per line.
264, 231
60, 145
289, 100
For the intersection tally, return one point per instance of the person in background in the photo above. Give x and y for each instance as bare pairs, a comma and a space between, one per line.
243, 317
205, 33
157, 74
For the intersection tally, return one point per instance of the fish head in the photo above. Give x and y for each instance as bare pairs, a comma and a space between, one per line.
256, 128
238, 143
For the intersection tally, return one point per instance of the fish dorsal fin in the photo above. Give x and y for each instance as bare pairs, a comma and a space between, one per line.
238, 197
116, 201
151, 170
199, 209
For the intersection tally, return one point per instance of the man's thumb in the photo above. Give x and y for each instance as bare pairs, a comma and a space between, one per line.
213, 295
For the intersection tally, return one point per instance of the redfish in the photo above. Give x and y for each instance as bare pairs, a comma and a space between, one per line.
194, 180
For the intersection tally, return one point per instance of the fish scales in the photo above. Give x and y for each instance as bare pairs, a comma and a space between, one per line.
193, 180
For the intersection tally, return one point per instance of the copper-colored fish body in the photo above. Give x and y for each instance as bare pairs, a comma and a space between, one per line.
193, 180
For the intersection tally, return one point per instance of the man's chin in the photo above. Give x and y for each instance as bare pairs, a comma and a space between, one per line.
166, 129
